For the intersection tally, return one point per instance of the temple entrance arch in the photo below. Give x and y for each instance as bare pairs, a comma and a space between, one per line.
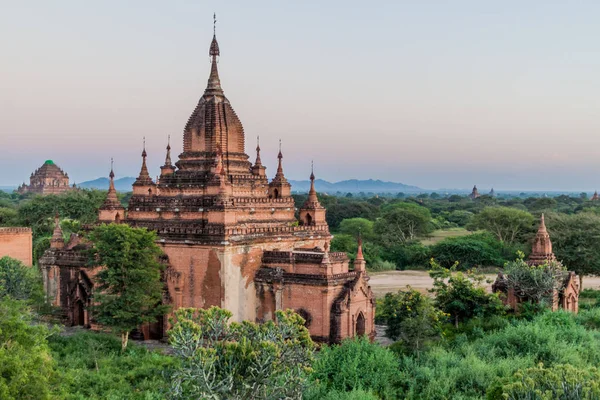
308, 220
79, 317
360, 324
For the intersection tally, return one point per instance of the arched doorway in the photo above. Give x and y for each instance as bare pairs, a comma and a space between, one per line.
79, 314
275, 194
308, 219
360, 325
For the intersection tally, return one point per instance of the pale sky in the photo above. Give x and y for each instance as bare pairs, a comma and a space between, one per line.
428, 93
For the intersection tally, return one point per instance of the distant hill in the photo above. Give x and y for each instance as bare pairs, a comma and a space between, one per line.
122, 184
8, 189
354, 186
348, 186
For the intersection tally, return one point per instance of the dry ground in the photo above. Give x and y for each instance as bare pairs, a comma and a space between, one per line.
392, 281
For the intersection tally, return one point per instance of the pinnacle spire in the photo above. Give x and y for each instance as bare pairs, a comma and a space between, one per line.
168, 162
144, 177
541, 251
111, 197
359, 252
279, 165
258, 160
214, 83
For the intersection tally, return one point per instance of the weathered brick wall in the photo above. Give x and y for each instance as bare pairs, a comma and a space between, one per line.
17, 243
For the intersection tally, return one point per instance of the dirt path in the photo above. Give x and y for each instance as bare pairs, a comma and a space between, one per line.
392, 281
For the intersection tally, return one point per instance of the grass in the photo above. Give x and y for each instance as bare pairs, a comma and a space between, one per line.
439, 235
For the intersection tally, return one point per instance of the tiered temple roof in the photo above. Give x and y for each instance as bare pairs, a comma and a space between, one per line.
47, 179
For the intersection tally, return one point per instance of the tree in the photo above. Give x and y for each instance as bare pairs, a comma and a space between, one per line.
471, 251
460, 217
222, 360
19, 281
354, 226
507, 224
129, 288
462, 296
403, 222
576, 241
411, 318
535, 283
25, 361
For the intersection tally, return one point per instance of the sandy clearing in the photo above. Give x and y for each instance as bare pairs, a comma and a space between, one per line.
392, 281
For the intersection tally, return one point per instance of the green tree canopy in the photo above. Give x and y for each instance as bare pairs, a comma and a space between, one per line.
507, 224
19, 281
462, 296
576, 241
354, 226
129, 287
402, 223
410, 317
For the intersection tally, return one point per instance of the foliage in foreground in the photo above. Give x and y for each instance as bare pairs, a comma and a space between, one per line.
19, 281
91, 365
355, 364
461, 295
465, 367
535, 283
562, 382
26, 367
222, 360
410, 317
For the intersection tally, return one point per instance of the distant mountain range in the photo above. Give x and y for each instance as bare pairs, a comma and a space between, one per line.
348, 186
121, 184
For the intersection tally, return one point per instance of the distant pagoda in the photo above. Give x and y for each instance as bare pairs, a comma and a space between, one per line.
475, 193
47, 179
492, 193
595, 197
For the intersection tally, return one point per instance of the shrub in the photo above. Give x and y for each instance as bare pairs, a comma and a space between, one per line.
25, 363
239, 360
356, 364
410, 317
562, 382
91, 365
381, 265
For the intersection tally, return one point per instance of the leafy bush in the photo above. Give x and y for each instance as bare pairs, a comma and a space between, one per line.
410, 317
408, 256
26, 368
19, 281
381, 265
91, 365
562, 382
239, 360
465, 367
355, 364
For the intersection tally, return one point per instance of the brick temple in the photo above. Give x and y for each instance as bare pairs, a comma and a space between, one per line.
47, 179
566, 297
230, 235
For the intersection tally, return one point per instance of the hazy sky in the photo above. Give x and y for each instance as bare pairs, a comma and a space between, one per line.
429, 93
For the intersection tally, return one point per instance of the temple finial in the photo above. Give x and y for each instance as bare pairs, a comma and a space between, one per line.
312, 170
144, 150
168, 156
112, 174
215, 24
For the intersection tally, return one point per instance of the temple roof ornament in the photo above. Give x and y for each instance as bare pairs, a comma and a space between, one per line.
112, 201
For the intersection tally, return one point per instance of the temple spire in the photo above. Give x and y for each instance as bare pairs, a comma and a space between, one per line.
360, 264
214, 83
111, 200
57, 242
144, 177
541, 251
312, 193
279, 165
258, 162
168, 157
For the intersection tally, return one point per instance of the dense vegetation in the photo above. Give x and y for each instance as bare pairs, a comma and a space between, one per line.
458, 342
